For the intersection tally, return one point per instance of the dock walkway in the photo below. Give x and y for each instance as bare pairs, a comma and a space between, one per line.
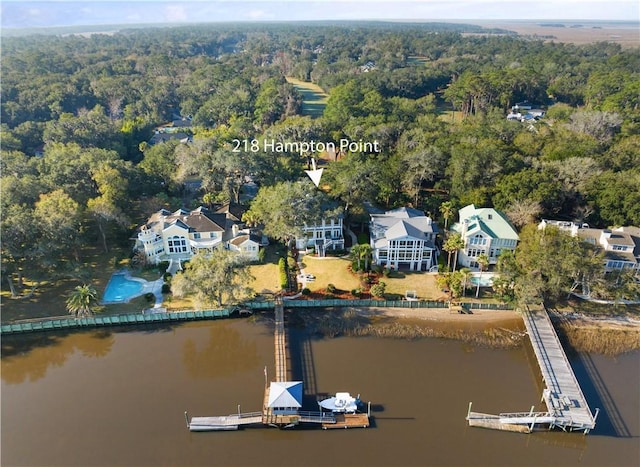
567, 407
563, 395
280, 342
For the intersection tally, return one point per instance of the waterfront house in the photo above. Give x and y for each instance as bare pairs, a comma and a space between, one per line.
403, 238
247, 243
484, 231
322, 236
621, 246
181, 234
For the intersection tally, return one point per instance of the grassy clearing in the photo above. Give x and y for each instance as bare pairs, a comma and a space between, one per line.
330, 271
265, 275
314, 97
424, 283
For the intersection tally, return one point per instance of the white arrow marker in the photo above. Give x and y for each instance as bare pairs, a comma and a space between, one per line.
314, 174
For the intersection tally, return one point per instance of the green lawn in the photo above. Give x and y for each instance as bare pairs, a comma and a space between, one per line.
266, 276
422, 282
330, 271
49, 299
314, 97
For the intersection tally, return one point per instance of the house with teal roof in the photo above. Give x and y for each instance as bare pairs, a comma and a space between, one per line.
484, 231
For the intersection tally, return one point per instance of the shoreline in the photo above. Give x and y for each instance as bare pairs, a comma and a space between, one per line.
493, 328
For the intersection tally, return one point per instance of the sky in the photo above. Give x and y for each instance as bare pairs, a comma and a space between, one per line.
48, 13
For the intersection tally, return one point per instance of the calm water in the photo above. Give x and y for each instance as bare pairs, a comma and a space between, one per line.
118, 398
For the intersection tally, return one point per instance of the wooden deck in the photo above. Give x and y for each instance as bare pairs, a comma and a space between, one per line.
349, 420
566, 405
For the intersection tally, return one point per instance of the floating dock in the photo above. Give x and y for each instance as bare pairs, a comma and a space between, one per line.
348, 420
567, 407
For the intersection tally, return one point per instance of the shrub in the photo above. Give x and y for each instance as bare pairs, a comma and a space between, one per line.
166, 288
386, 272
378, 289
356, 292
282, 268
149, 297
167, 276
306, 291
331, 288
291, 262
262, 253
163, 265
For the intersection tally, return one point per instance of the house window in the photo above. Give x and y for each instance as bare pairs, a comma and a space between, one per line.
212, 235
196, 235
478, 239
177, 244
619, 248
382, 254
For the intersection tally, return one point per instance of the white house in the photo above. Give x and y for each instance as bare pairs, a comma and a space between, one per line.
621, 246
247, 244
484, 231
181, 234
403, 237
322, 236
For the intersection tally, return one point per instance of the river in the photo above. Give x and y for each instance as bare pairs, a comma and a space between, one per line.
117, 397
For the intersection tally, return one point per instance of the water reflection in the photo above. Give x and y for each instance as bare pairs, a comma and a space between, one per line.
48, 350
225, 353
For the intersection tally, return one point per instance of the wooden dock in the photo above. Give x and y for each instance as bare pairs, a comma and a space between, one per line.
280, 342
284, 417
347, 420
223, 423
567, 407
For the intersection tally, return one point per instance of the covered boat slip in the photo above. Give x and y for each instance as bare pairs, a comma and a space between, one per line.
566, 405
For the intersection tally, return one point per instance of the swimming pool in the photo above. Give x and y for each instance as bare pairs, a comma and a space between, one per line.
485, 281
122, 289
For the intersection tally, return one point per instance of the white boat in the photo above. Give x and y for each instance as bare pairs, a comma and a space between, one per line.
342, 402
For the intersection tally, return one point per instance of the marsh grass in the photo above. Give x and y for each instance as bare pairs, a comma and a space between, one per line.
348, 322
599, 339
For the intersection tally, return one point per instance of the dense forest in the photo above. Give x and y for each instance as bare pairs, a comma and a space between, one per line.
78, 113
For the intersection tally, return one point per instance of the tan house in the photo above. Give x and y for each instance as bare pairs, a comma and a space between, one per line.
179, 235
621, 246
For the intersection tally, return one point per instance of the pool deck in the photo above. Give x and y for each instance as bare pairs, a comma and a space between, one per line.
154, 287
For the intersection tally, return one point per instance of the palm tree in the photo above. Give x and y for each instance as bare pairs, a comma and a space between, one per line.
209, 199
81, 300
366, 254
465, 274
446, 209
355, 253
483, 262
453, 244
